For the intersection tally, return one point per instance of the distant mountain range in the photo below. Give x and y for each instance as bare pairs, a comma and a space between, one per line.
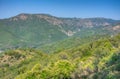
34, 30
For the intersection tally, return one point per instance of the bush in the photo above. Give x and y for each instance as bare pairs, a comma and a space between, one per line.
62, 69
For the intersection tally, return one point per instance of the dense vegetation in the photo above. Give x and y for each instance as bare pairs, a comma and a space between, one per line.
97, 59
35, 30
41, 46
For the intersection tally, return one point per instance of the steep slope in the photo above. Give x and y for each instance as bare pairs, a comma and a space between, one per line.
67, 43
99, 59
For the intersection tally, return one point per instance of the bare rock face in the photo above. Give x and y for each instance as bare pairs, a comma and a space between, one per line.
23, 17
19, 17
50, 19
117, 27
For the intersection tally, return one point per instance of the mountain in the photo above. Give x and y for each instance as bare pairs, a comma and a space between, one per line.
28, 30
35, 30
98, 59
41, 46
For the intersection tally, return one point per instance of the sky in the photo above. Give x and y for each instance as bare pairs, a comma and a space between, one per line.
62, 8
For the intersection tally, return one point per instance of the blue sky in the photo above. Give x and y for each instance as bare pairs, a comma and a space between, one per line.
62, 8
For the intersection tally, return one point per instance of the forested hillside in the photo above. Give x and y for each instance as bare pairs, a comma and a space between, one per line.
35, 30
98, 59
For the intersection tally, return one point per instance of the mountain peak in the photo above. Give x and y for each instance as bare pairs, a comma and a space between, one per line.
27, 14
23, 16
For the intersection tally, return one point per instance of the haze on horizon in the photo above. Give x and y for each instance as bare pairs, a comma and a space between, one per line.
62, 8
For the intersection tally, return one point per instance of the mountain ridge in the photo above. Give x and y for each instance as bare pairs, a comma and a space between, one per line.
56, 16
39, 29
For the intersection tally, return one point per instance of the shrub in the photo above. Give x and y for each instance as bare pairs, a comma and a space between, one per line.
63, 69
